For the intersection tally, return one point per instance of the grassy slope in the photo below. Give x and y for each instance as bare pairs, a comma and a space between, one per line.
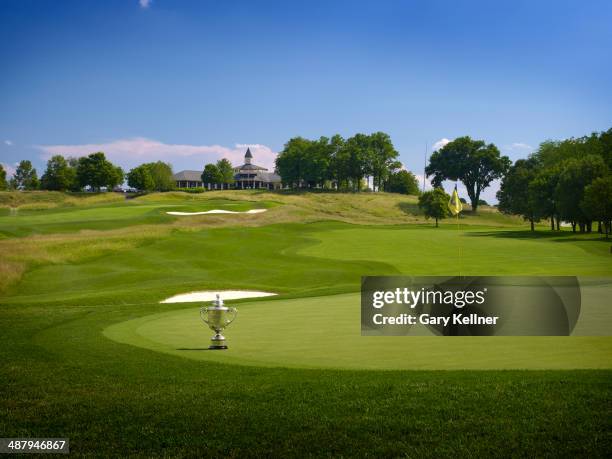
62, 377
41, 200
65, 227
108, 215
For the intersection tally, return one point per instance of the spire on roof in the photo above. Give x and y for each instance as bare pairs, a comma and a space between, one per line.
248, 153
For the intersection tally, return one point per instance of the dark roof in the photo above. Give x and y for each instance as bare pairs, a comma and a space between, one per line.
250, 167
269, 177
261, 176
188, 176
248, 153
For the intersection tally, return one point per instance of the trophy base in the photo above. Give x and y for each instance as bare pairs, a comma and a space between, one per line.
216, 347
217, 343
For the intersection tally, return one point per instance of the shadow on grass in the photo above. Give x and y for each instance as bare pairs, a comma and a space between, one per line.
409, 208
560, 236
194, 349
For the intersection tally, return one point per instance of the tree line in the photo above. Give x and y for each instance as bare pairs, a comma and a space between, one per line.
92, 172
67, 174
568, 180
344, 164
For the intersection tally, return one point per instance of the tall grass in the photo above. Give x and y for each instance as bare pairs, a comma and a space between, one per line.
21, 254
38, 200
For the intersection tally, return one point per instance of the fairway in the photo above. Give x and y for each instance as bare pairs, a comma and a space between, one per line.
466, 250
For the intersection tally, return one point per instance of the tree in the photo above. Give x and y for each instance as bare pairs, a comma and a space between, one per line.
434, 204
356, 159
597, 201
473, 162
161, 174
25, 177
211, 174
541, 194
575, 176
290, 162
513, 194
226, 171
605, 138
381, 158
403, 182
95, 171
311, 163
3, 182
305, 162
141, 179
59, 176
155, 176
317, 161
335, 171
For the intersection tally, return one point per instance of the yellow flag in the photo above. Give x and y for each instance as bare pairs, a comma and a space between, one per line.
454, 204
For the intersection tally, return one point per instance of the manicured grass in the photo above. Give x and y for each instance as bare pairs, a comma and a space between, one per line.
66, 379
468, 250
63, 377
324, 332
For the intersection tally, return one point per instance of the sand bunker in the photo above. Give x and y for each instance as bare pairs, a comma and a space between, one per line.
219, 211
209, 295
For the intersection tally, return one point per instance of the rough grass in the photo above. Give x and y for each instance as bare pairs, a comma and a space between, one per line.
53, 199
359, 208
19, 255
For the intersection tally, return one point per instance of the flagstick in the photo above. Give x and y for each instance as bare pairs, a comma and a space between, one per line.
459, 243
455, 207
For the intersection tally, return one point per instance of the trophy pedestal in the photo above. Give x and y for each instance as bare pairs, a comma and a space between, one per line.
217, 342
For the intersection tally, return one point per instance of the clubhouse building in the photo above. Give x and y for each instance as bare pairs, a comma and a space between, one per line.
246, 176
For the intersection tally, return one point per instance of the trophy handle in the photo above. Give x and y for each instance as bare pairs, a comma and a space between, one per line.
234, 313
203, 312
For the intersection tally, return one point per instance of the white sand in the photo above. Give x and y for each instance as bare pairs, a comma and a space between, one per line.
219, 211
209, 295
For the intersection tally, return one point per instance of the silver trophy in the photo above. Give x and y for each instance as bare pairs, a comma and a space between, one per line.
218, 317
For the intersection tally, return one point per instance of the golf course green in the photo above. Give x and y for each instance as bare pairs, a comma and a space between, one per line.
85, 337
324, 332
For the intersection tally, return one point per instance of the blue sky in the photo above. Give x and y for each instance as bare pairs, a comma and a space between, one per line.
192, 81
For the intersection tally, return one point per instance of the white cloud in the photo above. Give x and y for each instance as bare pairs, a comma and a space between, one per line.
10, 170
131, 152
144, 3
8, 142
419, 178
518, 147
439, 144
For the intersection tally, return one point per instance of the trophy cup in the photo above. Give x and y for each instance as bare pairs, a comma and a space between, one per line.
217, 317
